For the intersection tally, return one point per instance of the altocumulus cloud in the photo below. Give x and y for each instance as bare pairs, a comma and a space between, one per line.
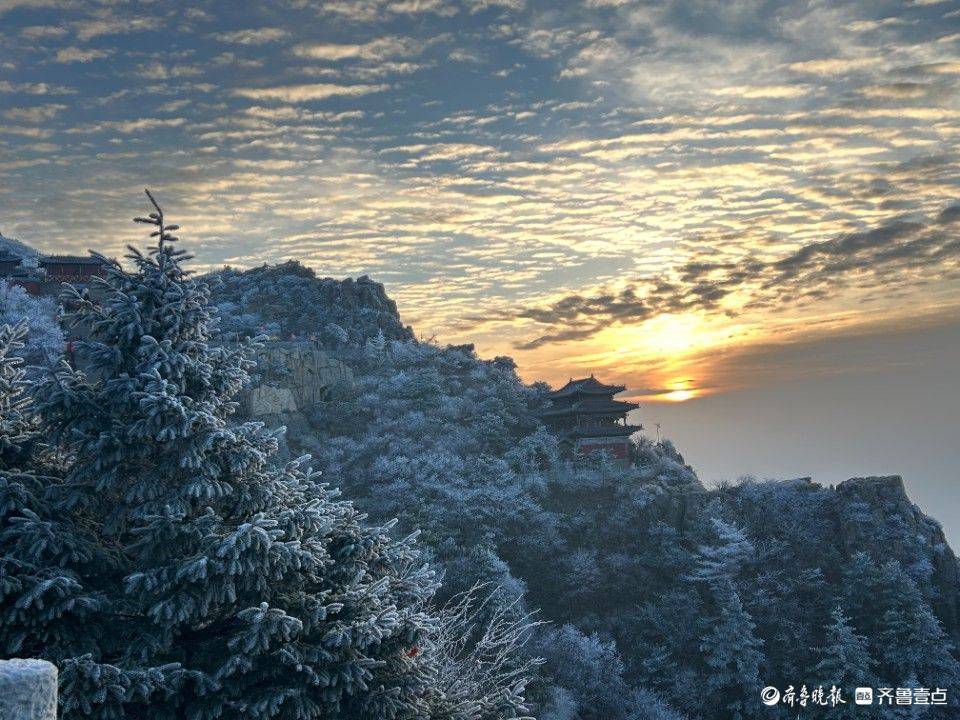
307, 92
556, 166
892, 255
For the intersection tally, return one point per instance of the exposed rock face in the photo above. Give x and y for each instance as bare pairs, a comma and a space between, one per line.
269, 400
290, 300
28, 690
363, 295
882, 502
289, 380
293, 377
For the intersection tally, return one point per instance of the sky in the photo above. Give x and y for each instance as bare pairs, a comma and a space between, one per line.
746, 211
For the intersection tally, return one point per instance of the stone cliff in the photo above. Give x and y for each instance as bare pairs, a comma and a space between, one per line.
882, 503
289, 300
290, 379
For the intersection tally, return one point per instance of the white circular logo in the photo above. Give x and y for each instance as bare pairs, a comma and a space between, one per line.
770, 695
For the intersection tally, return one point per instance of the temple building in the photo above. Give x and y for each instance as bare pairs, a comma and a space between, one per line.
9, 263
46, 278
587, 419
70, 268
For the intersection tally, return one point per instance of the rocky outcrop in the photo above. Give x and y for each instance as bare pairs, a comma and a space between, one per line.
289, 300
269, 400
882, 502
293, 377
290, 380
363, 295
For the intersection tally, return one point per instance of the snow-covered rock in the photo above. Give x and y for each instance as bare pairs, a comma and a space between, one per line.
28, 690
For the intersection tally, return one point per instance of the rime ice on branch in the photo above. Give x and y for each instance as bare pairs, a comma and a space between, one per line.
168, 567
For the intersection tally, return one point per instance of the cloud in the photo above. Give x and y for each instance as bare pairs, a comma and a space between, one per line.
39, 32
127, 127
6, 5
108, 24
949, 214
481, 5
78, 55
897, 91
36, 114
157, 70
307, 92
882, 257
419, 7
253, 36
34, 88
831, 67
464, 56
764, 91
378, 49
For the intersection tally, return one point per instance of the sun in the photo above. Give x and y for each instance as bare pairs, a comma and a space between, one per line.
679, 395
679, 390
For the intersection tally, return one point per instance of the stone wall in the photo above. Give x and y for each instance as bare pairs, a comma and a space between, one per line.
293, 377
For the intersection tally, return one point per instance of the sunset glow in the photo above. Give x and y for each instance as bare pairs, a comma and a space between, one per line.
610, 187
681, 393
462, 359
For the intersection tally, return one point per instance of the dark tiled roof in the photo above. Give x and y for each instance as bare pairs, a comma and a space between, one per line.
590, 406
69, 260
588, 385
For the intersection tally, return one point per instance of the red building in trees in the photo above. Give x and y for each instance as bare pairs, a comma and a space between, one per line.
70, 268
51, 271
587, 419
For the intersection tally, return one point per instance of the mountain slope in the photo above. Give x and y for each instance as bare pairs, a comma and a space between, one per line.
637, 567
16, 247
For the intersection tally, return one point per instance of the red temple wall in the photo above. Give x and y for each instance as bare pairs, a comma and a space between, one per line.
617, 448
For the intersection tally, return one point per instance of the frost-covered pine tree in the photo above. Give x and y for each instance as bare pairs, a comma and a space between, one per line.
44, 337
844, 662
731, 652
17, 431
723, 560
45, 608
912, 641
729, 645
375, 348
215, 585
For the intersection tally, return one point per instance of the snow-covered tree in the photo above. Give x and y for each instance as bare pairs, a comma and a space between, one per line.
44, 551
17, 429
732, 655
723, 560
589, 670
225, 586
480, 669
375, 348
845, 662
911, 640
44, 336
